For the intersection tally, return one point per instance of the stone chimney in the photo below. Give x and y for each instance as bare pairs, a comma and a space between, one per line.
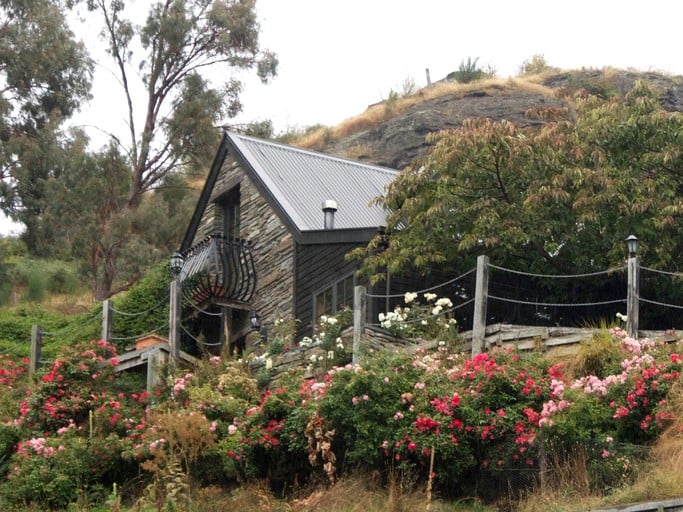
329, 209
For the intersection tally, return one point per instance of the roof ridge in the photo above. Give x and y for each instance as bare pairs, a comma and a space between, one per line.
313, 153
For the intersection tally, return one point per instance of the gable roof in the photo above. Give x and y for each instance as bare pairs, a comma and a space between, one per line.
296, 182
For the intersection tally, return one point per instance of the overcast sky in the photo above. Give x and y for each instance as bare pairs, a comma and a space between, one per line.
337, 57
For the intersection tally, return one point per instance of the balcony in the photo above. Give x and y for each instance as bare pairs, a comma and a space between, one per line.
220, 270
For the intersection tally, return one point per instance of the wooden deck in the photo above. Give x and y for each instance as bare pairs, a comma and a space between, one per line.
151, 357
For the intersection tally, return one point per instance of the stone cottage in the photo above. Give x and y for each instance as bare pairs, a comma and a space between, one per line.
269, 236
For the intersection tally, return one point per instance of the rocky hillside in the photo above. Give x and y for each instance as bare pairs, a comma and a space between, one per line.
393, 133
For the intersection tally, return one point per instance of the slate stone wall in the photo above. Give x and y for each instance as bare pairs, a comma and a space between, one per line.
272, 244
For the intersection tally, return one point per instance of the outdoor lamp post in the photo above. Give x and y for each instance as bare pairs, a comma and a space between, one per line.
633, 292
176, 264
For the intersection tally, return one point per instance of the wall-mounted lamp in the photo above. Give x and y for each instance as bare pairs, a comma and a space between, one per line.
255, 322
632, 245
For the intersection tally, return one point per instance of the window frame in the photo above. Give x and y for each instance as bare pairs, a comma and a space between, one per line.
333, 288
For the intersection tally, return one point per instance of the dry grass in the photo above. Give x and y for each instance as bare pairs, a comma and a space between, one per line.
567, 486
255, 497
388, 109
353, 494
69, 304
358, 152
595, 354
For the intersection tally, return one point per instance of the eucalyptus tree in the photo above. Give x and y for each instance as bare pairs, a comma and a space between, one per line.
91, 192
45, 74
187, 56
559, 199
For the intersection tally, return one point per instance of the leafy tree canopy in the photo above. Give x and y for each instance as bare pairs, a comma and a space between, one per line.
186, 57
45, 73
559, 199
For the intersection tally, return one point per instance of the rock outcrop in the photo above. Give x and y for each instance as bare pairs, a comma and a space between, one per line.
400, 139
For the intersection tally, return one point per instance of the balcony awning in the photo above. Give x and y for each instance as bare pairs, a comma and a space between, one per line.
218, 268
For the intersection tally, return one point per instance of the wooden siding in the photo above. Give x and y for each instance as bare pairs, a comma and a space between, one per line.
318, 267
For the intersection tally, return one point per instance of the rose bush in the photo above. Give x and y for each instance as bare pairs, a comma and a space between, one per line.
466, 423
431, 319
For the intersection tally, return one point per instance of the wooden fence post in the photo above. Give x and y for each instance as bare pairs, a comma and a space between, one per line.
359, 312
154, 360
107, 310
174, 321
633, 297
36, 346
481, 293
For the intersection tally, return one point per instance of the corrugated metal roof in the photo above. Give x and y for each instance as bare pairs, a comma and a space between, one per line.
302, 180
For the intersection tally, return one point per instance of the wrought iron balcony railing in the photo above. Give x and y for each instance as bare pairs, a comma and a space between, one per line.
219, 268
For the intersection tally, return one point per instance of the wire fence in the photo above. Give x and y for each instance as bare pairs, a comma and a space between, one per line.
512, 296
571, 300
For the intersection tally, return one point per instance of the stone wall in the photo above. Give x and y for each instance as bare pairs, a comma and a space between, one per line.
272, 244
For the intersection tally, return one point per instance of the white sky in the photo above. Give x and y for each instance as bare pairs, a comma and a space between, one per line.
337, 57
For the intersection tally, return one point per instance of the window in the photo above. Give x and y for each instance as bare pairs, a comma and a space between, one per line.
230, 204
334, 298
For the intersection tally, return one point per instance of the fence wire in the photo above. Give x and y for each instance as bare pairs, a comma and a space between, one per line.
424, 290
135, 337
661, 299
559, 276
162, 302
71, 328
197, 340
579, 299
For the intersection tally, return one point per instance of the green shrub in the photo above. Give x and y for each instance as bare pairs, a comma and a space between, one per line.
48, 474
595, 84
36, 287
537, 64
9, 437
16, 325
143, 308
82, 428
78, 429
469, 72
63, 278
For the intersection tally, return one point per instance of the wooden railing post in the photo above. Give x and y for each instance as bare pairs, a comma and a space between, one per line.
174, 320
36, 349
153, 364
359, 312
107, 310
480, 298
